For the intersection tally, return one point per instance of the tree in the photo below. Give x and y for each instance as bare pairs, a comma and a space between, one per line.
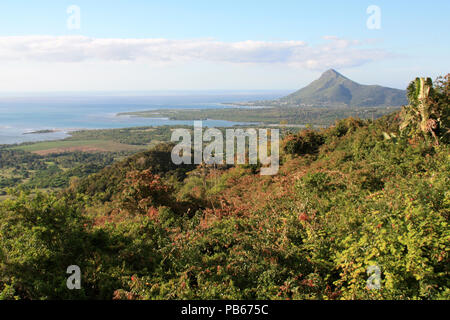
144, 190
428, 109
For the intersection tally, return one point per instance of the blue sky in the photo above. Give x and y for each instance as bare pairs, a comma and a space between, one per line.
229, 44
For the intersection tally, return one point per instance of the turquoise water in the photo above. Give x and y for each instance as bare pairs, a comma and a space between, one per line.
19, 115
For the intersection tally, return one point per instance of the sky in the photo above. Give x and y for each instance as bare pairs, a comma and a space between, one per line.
136, 45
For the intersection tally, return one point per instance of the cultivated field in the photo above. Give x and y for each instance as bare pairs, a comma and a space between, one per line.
49, 147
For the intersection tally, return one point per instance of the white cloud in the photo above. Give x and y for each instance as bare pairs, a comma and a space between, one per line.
334, 52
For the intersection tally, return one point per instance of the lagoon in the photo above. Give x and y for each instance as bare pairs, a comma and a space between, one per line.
21, 116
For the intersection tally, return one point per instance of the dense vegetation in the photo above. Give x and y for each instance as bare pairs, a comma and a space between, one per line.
317, 116
52, 171
361, 193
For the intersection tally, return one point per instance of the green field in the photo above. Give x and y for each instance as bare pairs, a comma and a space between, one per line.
78, 145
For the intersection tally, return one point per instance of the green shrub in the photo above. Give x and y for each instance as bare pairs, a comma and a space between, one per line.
305, 142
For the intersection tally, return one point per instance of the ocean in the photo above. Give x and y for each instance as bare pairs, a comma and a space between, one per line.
63, 113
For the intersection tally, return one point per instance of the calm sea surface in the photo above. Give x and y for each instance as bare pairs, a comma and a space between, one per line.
19, 115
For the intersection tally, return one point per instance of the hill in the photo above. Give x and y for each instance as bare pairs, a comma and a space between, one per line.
349, 200
333, 89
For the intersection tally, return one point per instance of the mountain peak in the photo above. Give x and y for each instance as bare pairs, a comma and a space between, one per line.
332, 73
334, 89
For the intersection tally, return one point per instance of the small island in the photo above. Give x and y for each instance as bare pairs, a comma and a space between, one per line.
43, 131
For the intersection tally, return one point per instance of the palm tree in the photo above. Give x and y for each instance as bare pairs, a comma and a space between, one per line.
421, 115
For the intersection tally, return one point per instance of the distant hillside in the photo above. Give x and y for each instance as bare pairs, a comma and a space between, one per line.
332, 89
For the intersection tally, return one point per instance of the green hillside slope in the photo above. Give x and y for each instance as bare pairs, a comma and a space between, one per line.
333, 89
350, 199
